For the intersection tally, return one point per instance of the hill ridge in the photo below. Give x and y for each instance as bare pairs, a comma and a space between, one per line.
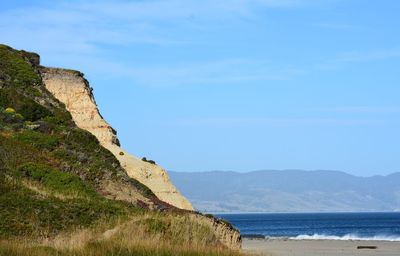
289, 191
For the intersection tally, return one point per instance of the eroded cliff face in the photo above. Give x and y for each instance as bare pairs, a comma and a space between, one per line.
72, 89
224, 232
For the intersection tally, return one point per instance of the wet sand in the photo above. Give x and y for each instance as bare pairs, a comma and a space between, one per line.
319, 247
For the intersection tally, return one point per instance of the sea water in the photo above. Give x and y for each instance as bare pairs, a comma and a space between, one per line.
316, 226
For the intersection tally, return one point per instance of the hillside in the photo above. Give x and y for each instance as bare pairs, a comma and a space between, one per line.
61, 191
72, 89
289, 191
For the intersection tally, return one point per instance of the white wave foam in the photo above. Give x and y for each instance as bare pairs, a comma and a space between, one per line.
347, 237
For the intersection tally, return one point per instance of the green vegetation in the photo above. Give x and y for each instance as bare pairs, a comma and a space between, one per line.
16, 69
49, 184
37, 139
149, 233
57, 182
32, 211
9, 111
51, 172
148, 160
22, 89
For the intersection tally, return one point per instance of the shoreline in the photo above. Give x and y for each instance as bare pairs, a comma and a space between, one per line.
298, 212
323, 247
317, 237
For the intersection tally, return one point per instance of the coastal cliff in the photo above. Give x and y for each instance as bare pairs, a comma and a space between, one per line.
72, 89
64, 180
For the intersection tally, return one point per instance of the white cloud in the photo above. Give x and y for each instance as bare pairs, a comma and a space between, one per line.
77, 32
85, 23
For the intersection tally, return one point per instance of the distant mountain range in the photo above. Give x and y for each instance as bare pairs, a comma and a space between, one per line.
288, 191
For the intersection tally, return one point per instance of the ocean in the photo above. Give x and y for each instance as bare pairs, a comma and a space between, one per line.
316, 226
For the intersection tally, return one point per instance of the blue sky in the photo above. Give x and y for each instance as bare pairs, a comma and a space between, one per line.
232, 85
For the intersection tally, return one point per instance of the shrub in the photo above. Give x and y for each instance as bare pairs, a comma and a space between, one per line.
148, 160
37, 139
54, 179
14, 66
27, 214
31, 110
208, 215
13, 119
53, 121
82, 138
19, 116
9, 110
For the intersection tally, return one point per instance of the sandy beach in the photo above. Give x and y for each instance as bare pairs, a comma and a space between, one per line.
319, 247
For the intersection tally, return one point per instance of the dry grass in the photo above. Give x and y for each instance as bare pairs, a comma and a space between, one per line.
149, 234
108, 248
46, 193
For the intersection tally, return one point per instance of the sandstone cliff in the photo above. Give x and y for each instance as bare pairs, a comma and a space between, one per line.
51, 168
72, 89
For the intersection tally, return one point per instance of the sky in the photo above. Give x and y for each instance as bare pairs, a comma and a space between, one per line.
235, 85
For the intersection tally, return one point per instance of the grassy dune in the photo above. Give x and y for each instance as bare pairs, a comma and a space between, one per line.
147, 234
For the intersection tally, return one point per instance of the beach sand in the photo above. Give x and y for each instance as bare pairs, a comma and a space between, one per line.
319, 247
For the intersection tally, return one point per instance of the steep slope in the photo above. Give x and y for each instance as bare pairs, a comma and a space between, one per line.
73, 90
53, 175
57, 180
289, 191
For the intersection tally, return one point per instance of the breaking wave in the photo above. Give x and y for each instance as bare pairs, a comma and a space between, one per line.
347, 237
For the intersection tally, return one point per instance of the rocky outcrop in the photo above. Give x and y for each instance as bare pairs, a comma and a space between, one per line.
72, 89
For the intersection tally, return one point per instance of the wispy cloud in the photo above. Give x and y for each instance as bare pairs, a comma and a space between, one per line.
81, 25
215, 72
373, 55
338, 26
78, 33
364, 109
357, 57
269, 122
